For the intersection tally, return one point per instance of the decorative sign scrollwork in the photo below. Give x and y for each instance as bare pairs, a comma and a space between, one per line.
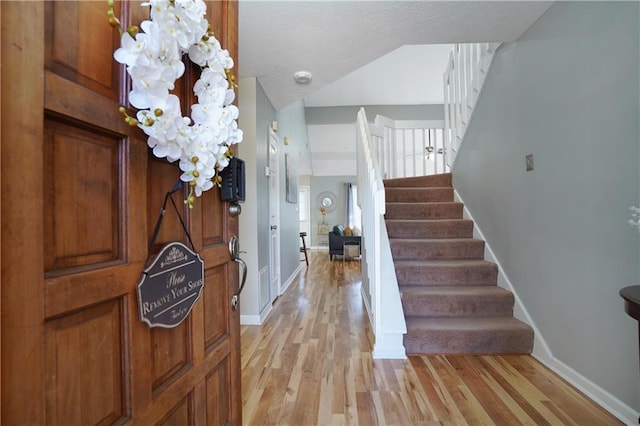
170, 286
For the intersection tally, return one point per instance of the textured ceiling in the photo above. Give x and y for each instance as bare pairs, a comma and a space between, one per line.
334, 38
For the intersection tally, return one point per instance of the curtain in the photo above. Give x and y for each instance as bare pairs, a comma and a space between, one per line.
352, 217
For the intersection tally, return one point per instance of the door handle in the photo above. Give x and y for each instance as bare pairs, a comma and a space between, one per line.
274, 227
234, 252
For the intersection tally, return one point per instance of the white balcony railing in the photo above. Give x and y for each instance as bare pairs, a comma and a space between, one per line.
463, 82
407, 148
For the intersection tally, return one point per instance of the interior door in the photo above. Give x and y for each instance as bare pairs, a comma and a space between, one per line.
304, 212
80, 196
274, 216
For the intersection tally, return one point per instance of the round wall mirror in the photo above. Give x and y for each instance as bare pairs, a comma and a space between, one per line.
327, 200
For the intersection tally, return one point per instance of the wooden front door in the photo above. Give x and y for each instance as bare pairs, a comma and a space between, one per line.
80, 197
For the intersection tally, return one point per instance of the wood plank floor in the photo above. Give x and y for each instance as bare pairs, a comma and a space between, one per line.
310, 364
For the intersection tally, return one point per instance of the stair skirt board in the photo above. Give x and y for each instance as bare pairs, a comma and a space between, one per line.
540, 348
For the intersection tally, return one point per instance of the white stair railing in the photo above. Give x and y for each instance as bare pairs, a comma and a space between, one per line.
379, 282
408, 148
463, 80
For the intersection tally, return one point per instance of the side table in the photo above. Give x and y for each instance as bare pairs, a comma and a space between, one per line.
322, 237
631, 296
350, 249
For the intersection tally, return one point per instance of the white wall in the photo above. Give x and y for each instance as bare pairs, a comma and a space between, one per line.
413, 71
334, 149
568, 93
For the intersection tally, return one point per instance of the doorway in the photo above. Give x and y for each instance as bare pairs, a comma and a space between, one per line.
304, 211
274, 217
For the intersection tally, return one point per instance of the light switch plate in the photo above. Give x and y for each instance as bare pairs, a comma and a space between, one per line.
529, 162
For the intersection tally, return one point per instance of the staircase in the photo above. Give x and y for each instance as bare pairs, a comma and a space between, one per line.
451, 300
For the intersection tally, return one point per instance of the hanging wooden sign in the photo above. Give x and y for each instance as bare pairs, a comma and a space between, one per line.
170, 286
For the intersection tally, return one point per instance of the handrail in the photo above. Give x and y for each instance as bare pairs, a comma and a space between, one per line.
463, 81
378, 274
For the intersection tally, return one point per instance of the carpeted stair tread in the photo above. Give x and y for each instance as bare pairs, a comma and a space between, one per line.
467, 335
446, 272
437, 248
450, 297
443, 179
435, 210
449, 301
424, 195
420, 228
467, 262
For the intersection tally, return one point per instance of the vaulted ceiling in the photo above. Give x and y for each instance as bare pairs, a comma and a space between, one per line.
334, 40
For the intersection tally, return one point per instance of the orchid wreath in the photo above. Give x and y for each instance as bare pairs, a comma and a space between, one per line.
203, 142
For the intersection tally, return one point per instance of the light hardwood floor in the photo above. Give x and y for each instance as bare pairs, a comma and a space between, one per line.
310, 364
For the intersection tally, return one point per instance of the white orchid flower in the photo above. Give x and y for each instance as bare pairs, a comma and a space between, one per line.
154, 60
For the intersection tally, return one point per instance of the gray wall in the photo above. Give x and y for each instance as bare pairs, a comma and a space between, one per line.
265, 114
568, 93
335, 184
291, 124
256, 115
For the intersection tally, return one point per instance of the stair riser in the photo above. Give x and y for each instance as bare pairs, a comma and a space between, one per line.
422, 181
469, 341
426, 250
457, 306
419, 195
430, 229
446, 275
424, 211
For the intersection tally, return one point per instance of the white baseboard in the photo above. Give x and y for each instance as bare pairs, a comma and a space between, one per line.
293, 276
265, 313
541, 350
250, 320
365, 299
613, 405
256, 319
260, 319
389, 346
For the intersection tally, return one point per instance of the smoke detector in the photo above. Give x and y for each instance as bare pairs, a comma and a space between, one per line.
302, 77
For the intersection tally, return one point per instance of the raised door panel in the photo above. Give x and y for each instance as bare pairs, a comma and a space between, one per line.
76, 56
82, 192
218, 396
85, 376
181, 414
171, 353
212, 220
216, 307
